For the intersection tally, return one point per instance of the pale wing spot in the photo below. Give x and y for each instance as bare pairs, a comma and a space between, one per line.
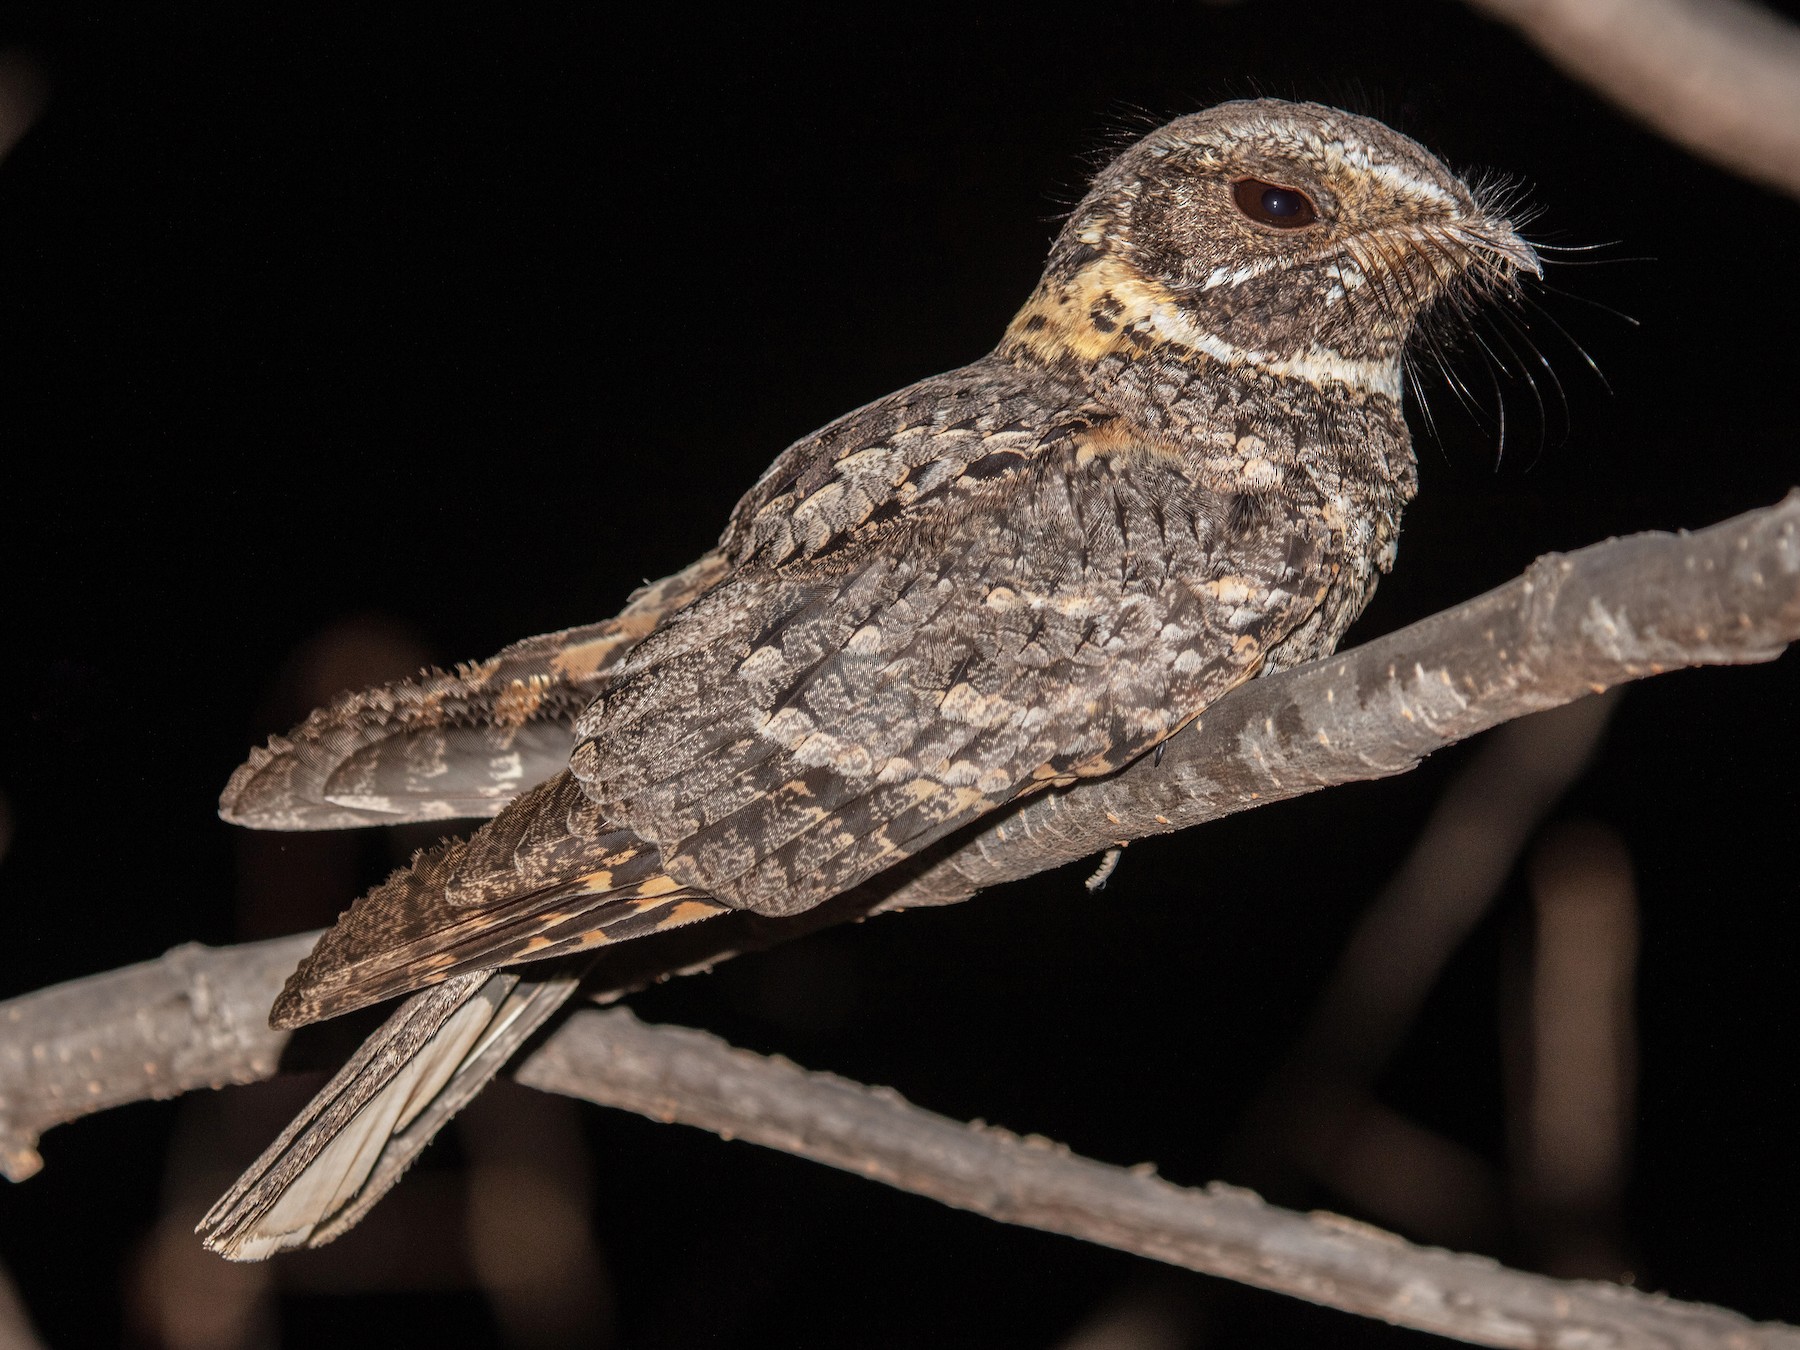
1259, 475
964, 703
865, 641
898, 769
1230, 590
790, 725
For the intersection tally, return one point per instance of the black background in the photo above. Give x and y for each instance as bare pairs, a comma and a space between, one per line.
462, 329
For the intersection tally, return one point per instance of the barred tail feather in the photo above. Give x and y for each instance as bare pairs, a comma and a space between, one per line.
365, 1127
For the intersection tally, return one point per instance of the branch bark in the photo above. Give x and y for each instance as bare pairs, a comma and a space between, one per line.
196, 1017
1572, 625
1720, 77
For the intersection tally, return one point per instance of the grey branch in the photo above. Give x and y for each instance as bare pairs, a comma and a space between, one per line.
1572, 625
1721, 77
197, 1017
674, 1074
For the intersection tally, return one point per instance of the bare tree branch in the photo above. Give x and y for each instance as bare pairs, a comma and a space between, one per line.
1720, 77
1570, 626
674, 1074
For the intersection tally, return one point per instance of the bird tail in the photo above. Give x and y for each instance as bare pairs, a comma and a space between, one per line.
364, 1128
545, 880
448, 745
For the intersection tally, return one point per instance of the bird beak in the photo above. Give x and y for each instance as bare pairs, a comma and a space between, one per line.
1500, 242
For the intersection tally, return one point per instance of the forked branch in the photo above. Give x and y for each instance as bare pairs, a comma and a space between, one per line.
1570, 626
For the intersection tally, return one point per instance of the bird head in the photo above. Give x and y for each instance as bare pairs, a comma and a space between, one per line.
1290, 238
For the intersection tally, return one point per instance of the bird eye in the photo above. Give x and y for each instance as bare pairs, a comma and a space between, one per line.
1285, 208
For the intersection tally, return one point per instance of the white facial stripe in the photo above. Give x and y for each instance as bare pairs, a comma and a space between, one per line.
1317, 366
1057, 322
1354, 155
1411, 185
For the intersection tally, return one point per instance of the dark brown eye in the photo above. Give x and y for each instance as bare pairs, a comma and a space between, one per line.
1285, 208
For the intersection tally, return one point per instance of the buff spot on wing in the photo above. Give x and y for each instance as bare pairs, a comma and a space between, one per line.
1118, 439
963, 798
688, 911
1230, 590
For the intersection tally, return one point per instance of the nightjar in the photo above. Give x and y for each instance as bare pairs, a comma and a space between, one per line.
1183, 465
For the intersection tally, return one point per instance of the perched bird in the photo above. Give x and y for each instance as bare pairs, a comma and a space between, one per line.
1184, 465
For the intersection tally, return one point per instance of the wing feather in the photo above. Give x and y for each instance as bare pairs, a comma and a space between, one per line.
548, 877
1039, 624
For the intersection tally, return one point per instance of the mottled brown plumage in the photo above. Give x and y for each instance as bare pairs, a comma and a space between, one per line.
1184, 464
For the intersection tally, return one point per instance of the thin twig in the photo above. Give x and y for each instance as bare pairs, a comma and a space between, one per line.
1720, 77
675, 1074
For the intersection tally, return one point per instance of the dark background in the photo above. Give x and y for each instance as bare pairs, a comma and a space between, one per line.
371, 343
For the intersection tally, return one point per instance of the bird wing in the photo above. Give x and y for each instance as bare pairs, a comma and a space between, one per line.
447, 745
947, 614
916, 628
548, 877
